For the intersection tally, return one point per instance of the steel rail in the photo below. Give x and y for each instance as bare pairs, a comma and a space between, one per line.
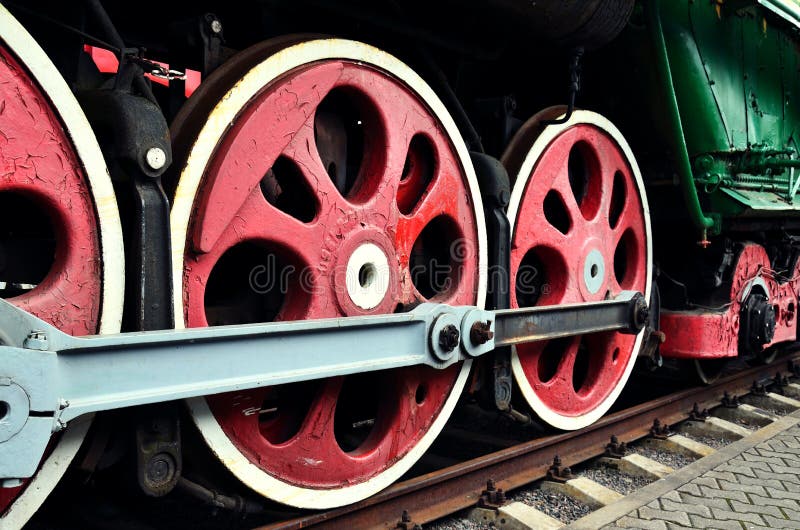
443, 492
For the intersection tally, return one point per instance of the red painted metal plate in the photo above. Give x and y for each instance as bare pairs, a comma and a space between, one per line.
711, 334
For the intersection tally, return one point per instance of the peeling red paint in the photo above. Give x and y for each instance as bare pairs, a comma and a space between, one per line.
703, 334
550, 366
38, 161
231, 208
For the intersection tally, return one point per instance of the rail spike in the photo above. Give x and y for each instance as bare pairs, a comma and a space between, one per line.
406, 523
616, 449
780, 382
559, 473
730, 401
660, 431
758, 389
698, 415
794, 368
492, 497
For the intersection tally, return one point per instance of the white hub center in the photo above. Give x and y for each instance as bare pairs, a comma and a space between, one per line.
367, 276
594, 270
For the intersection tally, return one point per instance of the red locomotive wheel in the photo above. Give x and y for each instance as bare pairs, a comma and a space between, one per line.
328, 181
580, 233
60, 238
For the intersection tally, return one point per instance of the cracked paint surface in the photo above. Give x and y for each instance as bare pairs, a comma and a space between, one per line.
385, 208
38, 162
567, 215
709, 334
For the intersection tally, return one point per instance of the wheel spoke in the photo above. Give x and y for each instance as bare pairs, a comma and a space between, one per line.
302, 150
562, 187
545, 234
611, 162
259, 220
629, 217
421, 388
609, 354
317, 428
562, 381
254, 144
555, 187
441, 198
446, 269
392, 137
54, 298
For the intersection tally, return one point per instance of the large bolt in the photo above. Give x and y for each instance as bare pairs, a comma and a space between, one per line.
214, 23
156, 158
698, 415
406, 523
640, 314
728, 401
449, 337
615, 448
794, 369
36, 340
481, 332
758, 389
780, 381
160, 469
659, 430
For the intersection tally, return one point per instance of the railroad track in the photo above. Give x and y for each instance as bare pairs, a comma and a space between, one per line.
434, 495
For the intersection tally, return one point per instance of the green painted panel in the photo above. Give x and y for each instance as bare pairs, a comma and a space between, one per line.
703, 124
790, 79
763, 87
736, 75
718, 37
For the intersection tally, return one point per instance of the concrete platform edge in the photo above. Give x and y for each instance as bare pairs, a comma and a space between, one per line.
634, 501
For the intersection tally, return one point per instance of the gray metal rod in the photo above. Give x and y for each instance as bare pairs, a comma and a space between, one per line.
106, 373
517, 326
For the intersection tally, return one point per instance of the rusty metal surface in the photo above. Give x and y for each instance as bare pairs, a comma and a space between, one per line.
434, 495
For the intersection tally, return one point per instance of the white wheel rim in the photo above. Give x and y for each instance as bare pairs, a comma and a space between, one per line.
64, 104
539, 146
218, 121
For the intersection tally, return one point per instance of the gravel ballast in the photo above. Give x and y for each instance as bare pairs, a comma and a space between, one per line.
710, 441
458, 521
673, 460
619, 482
556, 505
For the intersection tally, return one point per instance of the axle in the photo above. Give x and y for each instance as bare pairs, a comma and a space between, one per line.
49, 378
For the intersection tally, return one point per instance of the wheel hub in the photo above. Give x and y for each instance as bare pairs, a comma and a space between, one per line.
367, 276
757, 323
364, 279
594, 271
